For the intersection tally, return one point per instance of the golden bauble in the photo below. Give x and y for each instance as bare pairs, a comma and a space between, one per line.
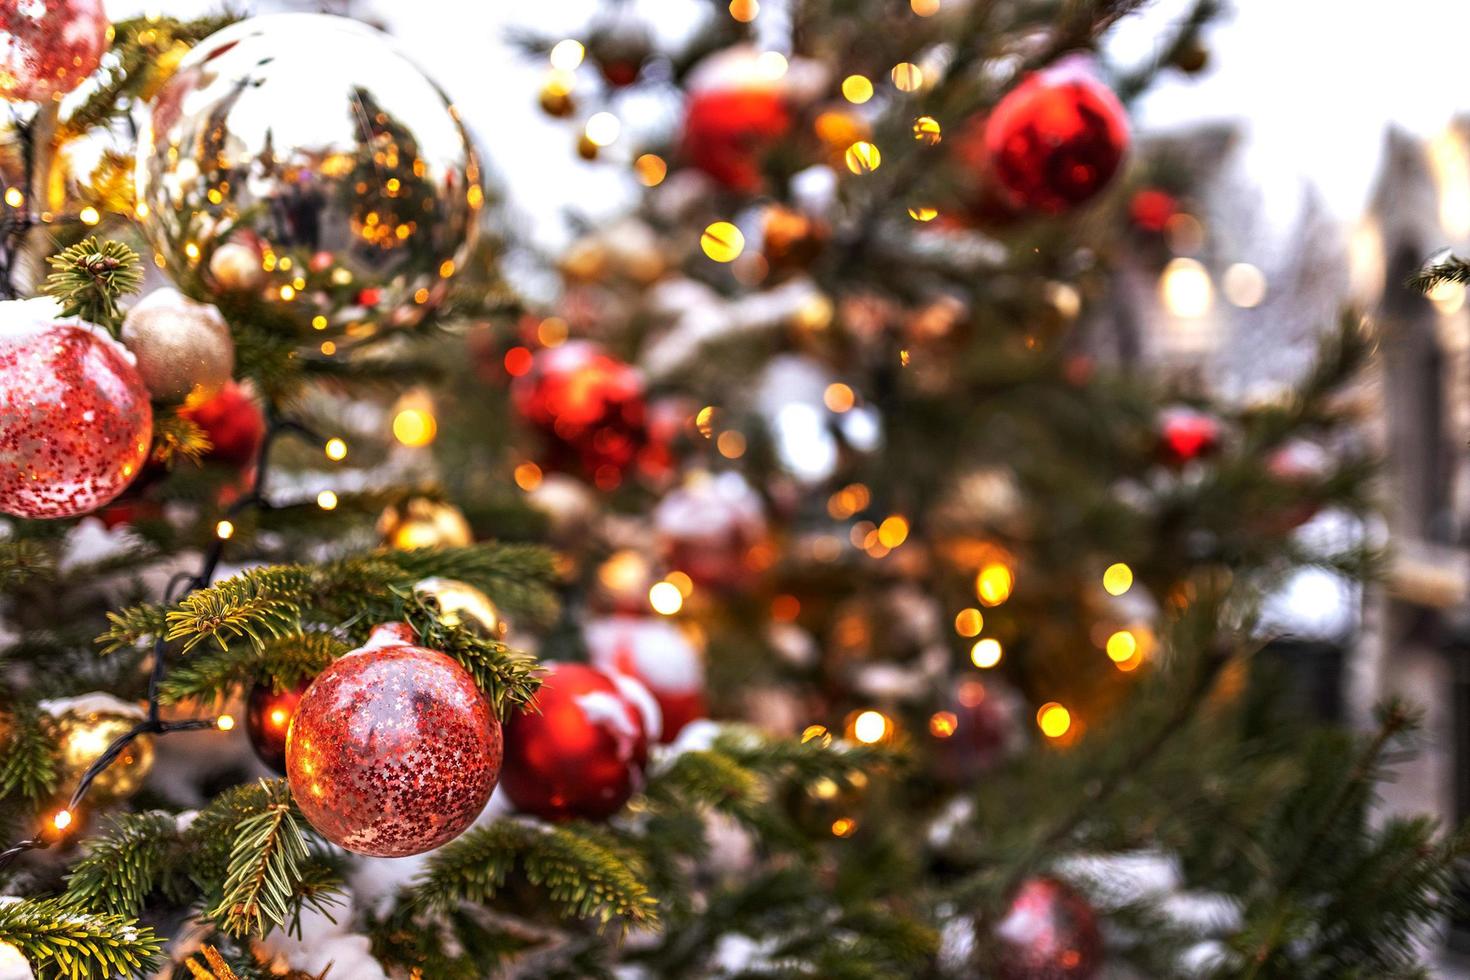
557, 101
85, 727
423, 523
236, 268
184, 349
461, 604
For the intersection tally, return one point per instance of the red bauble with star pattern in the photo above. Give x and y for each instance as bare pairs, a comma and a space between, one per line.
1186, 435
581, 753
268, 714
1054, 141
75, 420
393, 749
1049, 932
589, 405
48, 47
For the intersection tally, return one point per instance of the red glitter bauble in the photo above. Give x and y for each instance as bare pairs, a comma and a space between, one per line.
393, 750
581, 753
976, 730
75, 420
268, 715
727, 132
48, 47
1186, 435
1056, 139
590, 406
659, 655
234, 423
1049, 933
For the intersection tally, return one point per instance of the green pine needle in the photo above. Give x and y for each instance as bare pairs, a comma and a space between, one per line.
123, 865
265, 868
87, 278
75, 945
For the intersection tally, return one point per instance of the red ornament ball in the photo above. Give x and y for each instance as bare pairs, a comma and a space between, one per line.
1056, 139
727, 133
1049, 933
48, 47
75, 420
234, 423
589, 404
1186, 435
659, 655
582, 753
1152, 208
976, 730
393, 750
268, 714
708, 526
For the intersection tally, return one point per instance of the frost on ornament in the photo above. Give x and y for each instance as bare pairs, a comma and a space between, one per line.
75, 419
48, 47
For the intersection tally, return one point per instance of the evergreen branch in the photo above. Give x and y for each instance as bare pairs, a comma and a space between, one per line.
87, 278
65, 943
259, 601
584, 877
284, 662
176, 437
123, 865
132, 626
508, 678
215, 967
29, 767
22, 561
517, 577
264, 871
1442, 267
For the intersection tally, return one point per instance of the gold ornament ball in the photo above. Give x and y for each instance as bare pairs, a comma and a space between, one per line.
461, 604
423, 523
183, 348
84, 734
236, 268
313, 139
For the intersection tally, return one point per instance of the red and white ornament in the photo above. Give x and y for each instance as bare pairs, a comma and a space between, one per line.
739, 109
75, 419
48, 47
1054, 141
659, 655
393, 749
1186, 434
582, 753
1298, 465
708, 526
590, 406
1049, 932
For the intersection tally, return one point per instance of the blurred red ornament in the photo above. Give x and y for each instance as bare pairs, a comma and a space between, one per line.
393, 750
590, 406
75, 419
1186, 435
49, 47
268, 714
1298, 465
1152, 208
708, 526
581, 753
659, 655
234, 423
1049, 932
728, 131
1056, 139
977, 729
620, 50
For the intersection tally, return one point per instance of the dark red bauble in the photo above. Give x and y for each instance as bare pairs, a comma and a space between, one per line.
660, 656
589, 404
234, 423
1055, 140
1049, 933
75, 419
49, 47
1152, 208
708, 526
727, 132
268, 715
582, 753
978, 728
1186, 435
393, 750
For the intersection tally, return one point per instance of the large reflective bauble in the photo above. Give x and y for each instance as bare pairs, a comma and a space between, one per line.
312, 141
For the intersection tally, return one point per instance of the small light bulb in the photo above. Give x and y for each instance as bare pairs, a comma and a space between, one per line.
326, 500
336, 450
665, 598
603, 129
224, 530
870, 727
225, 722
89, 215
1117, 579
61, 820
567, 55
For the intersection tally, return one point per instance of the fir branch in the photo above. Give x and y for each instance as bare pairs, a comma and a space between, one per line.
123, 865
176, 437
509, 679
132, 626
215, 967
30, 764
257, 603
88, 278
264, 871
1442, 267
583, 876
73, 945
23, 561
283, 662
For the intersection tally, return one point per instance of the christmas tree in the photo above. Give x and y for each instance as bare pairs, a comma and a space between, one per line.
790, 578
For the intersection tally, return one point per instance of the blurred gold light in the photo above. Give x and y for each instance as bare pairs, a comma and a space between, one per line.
839, 397
926, 130
224, 530
824, 788
651, 169
893, 532
923, 214
986, 653
907, 77
328, 348
942, 724
14, 197
744, 10
682, 582
225, 722
862, 157
844, 827
528, 476
870, 727
336, 450
731, 444
552, 331
994, 583
857, 89
924, 8
1185, 288
1053, 720
89, 215
722, 241
567, 55
969, 622
1117, 579
414, 427
818, 734
665, 598
326, 500
603, 129
319, 322
1121, 646
1447, 297
1243, 285
61, 820
704, 421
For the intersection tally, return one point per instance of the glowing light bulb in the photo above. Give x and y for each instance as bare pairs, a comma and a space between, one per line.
994, 584
839, 397
722, 241
857, 89
414, 427
870, 727
89, 215
225, 722
61, 820
224, 530
1053, 719
651, 169
336, 450
969, 622
1117, 579
665, 598
326, 500
1244, 285
863, 157
942, 724
603, 129
1185, 288
567, 55
1121, 646
986, 653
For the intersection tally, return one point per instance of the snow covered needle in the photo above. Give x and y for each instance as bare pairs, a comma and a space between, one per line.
87, 278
